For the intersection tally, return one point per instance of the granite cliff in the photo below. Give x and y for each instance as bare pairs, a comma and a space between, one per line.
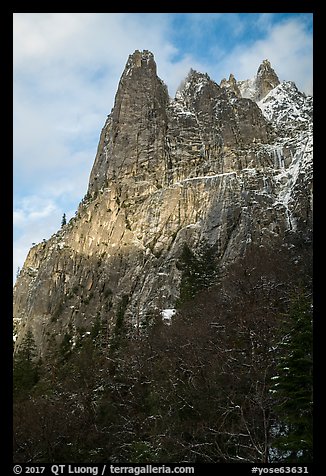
219, 166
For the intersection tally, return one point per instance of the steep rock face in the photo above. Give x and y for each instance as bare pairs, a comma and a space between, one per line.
208, 167
132, 140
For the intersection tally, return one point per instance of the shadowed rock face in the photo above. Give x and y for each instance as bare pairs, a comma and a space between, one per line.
132, 140
147, 136
209, 166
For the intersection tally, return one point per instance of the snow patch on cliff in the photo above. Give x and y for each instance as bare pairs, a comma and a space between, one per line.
167, 315
248, 88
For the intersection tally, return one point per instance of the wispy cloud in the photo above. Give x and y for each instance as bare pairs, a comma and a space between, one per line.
31, 212
287, 45
35, 218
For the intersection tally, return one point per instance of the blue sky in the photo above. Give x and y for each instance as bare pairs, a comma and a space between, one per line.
66, 70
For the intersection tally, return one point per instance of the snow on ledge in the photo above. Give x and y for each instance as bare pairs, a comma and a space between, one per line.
167, 315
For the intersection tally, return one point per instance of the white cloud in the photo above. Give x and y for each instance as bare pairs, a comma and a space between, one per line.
34, 219
287, 45
21, 217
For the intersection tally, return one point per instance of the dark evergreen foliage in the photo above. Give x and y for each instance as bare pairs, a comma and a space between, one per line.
26, 370
199, 271
293, 387
200, 390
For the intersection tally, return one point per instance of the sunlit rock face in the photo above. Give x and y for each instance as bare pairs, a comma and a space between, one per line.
218, 165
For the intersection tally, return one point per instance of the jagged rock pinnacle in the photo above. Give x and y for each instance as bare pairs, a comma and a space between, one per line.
142, 133
261, 84
140, 59
231, 85
194, 85
136, 122
266, 79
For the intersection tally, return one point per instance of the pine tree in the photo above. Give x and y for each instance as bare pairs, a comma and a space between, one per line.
64, 220
198, 271
293, 383
25, 367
